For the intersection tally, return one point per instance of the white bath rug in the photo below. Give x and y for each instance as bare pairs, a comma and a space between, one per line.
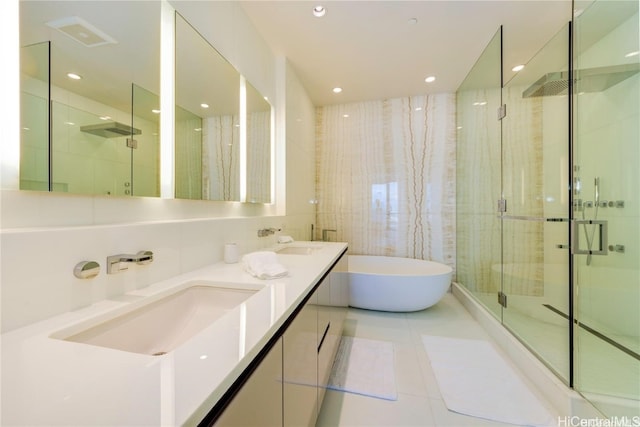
365, 367
475, 380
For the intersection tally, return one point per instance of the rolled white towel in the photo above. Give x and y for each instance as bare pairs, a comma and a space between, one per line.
264, 265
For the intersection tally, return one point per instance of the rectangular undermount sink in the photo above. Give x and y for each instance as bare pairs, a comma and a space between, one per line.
298, 250
163, 325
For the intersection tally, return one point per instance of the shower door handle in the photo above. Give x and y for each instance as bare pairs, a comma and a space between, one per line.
602, 237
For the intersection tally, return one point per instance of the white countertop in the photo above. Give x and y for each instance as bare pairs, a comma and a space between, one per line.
48, 381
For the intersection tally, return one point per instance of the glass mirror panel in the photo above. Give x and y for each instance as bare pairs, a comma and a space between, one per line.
93, 138
207, 120
258, 147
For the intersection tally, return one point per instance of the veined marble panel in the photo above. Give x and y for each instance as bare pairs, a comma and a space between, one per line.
221, 158
386, 176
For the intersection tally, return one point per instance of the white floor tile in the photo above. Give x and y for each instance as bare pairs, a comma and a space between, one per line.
419, 401
346, 410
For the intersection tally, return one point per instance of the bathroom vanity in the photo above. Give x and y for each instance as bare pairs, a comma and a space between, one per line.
270, 350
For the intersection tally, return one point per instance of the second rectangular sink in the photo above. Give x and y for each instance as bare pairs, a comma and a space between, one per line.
298, 250
161, 326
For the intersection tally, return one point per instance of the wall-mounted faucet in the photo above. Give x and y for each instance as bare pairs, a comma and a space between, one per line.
117, 263
267, 231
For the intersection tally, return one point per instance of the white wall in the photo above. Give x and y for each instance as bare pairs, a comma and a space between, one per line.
43, 235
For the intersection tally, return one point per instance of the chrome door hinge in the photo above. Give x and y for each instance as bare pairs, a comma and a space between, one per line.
502, 205
502, 299
502, 111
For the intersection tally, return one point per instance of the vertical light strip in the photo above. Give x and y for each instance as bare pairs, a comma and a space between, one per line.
243, 139
10, 89
167, 101
272, 194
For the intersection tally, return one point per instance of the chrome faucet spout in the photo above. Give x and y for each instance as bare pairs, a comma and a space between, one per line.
117, 263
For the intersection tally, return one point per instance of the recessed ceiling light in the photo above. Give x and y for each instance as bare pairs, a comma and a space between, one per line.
518, 68
319, 11
430, 79
155, 111
203, 105
69, 123
105, 117
412, 21
480, 103
345, 115
337, 89
418, 108
198, 129
74, 76
630, 54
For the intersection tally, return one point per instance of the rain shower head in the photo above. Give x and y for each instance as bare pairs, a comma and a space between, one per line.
110, 130
587, 80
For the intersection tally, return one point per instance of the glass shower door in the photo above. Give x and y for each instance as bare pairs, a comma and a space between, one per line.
607, 177
535, 170
478, 249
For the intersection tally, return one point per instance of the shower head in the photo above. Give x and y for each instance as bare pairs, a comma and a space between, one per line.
587, 80
110, 130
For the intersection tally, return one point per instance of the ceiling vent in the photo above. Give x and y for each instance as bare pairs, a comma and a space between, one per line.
81, 31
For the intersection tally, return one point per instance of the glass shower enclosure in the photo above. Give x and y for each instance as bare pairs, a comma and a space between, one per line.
606, 176
548, 191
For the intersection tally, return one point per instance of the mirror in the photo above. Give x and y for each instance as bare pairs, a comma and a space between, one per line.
92, 132
258, 147
207, 128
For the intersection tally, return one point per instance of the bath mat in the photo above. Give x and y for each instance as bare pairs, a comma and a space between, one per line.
475, 380
365, 367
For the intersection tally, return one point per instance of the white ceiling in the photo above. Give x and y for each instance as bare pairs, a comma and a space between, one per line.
372, 51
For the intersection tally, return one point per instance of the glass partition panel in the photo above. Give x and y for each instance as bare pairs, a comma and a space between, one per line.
258, 147
207, 119
188, 155
535, 170
145, 153
478, 248
607, 170
34, 116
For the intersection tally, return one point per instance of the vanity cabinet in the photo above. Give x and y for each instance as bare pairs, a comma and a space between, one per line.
300, 363
287, 387
259, 402
332, 301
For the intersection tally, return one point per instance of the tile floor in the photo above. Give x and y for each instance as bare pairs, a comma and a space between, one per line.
419, 401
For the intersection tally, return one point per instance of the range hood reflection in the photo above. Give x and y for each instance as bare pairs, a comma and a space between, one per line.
110, 130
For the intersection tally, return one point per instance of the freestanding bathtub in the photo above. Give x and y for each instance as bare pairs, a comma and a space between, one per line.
396, 284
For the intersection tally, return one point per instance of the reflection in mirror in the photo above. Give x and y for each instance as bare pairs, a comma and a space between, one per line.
104, 75
258, 147
34, 114
207, 138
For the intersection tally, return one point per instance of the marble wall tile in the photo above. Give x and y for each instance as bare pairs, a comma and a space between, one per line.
386, 176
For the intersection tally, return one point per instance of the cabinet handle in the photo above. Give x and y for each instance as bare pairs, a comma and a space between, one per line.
324, 336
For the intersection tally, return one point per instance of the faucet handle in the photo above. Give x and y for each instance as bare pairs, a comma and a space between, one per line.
144, 257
